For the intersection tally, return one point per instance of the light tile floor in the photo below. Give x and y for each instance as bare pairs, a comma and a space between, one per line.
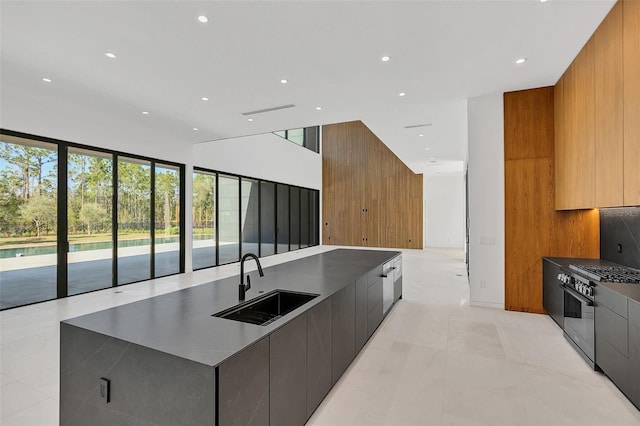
434, 360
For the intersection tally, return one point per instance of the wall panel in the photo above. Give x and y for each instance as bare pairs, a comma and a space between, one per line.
533, 228
370, 198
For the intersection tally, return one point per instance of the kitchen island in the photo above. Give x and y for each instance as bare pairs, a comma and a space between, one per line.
168, 360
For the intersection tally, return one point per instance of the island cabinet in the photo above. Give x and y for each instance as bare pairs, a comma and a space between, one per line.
374, 300
318, 354
288, 373
617, 332
343, 330
243, 383
362, 310
142, 386
397, 278
192, 367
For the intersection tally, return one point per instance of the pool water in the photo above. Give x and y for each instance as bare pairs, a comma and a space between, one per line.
75, 247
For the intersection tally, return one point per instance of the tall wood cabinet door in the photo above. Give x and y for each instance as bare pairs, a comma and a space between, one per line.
560, 144
609, 124
631, 45
575, 153
583, 129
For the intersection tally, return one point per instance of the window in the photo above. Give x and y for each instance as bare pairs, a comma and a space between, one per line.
229, 219
204, 220
252, 216
267, 218
28, 231
59, 206
89, 220
307, 137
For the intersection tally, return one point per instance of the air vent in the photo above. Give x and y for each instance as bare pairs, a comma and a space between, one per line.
261, 111
417, 125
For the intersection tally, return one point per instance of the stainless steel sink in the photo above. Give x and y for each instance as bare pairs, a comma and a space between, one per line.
266, 309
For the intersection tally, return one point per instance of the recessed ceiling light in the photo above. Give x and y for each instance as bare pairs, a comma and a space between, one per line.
249, 119
46, 80
521, 61
428, 149
145, 112
205, 99
195, 129
421, 135
402, 94
386, 58
203, 19
543, 1
319, 108
110, 55
284, 81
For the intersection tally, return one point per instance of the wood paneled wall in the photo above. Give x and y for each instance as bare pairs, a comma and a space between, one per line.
369, 197
533, 228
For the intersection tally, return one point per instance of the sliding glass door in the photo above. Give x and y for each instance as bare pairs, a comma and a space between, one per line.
134, 220
167, 220
204, 220
89, 218
28, 226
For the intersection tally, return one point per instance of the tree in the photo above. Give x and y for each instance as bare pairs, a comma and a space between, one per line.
39, 211
93, 216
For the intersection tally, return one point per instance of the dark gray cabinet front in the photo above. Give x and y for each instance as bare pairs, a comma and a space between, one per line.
243, 383
361, 313
633, 388
318, 354
552, 294
288, 373
343, 330
374, 303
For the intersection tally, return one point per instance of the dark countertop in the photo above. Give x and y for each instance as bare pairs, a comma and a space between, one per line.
631, 291
180, 323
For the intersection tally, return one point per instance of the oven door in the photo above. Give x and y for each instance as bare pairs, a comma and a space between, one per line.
578, 322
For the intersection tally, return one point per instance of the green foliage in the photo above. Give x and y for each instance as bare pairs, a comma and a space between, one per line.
93, 216
40, 212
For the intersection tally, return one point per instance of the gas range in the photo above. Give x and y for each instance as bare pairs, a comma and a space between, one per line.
581, 278
612, 274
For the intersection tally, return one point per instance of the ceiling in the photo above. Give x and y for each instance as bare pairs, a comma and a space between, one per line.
442, 52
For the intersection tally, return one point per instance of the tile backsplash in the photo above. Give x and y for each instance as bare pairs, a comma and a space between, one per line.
620, 231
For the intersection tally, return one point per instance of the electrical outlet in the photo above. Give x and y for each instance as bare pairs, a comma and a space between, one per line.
620, 248
105, 390
483, 284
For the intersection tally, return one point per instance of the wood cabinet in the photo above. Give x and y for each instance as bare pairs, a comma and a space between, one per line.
575, 151
597, 117
631, 76
370, 198
609, 124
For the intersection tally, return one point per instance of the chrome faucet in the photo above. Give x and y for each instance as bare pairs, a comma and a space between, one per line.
242, 289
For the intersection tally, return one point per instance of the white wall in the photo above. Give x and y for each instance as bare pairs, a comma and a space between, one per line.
265, 156
444, 197
486, 200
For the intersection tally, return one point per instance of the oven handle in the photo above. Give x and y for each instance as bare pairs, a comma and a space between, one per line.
571, 292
